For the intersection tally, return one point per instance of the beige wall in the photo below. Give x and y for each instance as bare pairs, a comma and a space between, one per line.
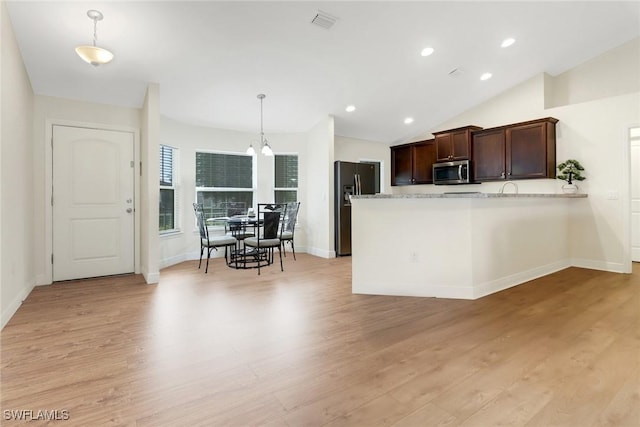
319, 175
48, 111
355, 150
594, 131
17, 238
616, 72
183, 245
150, 192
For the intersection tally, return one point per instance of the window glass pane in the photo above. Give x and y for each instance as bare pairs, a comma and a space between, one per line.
223, 170
167, 219
286, 196
166, 166
225, 203
286, 171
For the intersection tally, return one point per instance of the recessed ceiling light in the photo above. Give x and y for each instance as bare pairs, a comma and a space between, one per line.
508, 42
486, 76
426, 51
350, 108
408, 120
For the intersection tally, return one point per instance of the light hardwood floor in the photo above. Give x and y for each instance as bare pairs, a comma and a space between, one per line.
298, 349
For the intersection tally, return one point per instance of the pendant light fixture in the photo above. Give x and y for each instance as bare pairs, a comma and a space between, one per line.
94, 55
266, 148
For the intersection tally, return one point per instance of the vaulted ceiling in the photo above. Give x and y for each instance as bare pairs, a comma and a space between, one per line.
212, 58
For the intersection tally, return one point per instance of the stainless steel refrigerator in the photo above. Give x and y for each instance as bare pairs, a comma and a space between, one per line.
350, 178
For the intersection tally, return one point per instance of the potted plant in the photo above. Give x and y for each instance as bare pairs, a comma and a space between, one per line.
570, 170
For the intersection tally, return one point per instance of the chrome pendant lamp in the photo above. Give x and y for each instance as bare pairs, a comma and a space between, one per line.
93, 54
264, 144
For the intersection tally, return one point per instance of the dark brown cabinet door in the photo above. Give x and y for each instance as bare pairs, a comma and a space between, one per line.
401, 165
413, 163
424, 155
454, 144
444, 149
489, 155
461, 144
527, 153
519, 151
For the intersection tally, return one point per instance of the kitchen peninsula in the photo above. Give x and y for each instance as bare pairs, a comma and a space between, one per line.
457, 245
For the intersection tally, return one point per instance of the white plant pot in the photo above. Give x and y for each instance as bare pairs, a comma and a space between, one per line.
569, 188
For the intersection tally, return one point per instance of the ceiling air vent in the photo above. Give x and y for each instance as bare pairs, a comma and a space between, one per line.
324, 20
456, 72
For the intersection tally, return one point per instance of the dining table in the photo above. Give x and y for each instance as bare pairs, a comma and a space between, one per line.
241, 227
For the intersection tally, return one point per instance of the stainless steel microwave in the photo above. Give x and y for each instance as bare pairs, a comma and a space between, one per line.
458, 172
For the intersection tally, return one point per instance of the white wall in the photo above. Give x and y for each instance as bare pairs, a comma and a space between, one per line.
181, 246
355, 150
47, 111
149, 184
17, 276
594, 132
319, 175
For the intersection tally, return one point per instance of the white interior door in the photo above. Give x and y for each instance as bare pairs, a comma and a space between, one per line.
635, 194
93, 189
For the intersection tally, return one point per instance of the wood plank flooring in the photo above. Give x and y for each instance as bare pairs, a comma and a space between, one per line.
296, 348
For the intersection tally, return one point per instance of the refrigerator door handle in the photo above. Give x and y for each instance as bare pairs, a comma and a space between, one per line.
358, 185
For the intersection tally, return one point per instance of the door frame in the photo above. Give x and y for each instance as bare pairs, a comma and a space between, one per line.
626, 208
48, 190
626, 201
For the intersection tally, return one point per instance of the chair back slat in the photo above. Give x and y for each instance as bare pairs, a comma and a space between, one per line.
271, 224
199, 212
290, 217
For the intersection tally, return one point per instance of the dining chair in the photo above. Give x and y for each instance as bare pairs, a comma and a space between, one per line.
211, 242
289, 226
264, 242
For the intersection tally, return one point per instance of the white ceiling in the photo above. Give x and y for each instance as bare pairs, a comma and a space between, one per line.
212, 58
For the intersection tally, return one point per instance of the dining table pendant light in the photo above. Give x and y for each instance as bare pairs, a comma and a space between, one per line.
93, 54
264, 144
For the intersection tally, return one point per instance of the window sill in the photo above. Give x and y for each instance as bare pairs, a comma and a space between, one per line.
170, 234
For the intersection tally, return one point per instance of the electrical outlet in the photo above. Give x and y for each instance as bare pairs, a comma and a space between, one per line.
612, 195
413, 257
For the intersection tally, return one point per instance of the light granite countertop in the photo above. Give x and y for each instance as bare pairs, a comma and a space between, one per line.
469, 195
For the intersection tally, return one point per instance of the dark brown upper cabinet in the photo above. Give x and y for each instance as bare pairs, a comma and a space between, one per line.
454, 144
412, 163
518, 151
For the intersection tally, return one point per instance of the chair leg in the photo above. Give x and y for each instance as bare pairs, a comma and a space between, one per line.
258, 260
208, 256
280, 252
293, 249
201, 252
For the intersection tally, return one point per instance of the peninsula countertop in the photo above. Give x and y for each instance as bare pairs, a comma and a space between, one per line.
470, 195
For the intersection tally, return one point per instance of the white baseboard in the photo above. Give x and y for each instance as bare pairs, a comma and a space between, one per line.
8, 313
452, 292
41, 280
322, 253
614, 267
502, 283
151, 277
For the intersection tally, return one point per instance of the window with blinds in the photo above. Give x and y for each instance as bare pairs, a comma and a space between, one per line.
285, 178
167, 210
224, 183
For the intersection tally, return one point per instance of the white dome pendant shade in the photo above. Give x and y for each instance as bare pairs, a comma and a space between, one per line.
94, 55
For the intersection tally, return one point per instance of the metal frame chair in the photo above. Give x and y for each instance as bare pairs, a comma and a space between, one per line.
267, 240
210, 242
289, 226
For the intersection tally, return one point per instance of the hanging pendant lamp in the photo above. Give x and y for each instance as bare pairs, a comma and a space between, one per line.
265, 147
93, 54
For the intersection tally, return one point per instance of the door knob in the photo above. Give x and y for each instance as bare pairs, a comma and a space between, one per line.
129, 210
